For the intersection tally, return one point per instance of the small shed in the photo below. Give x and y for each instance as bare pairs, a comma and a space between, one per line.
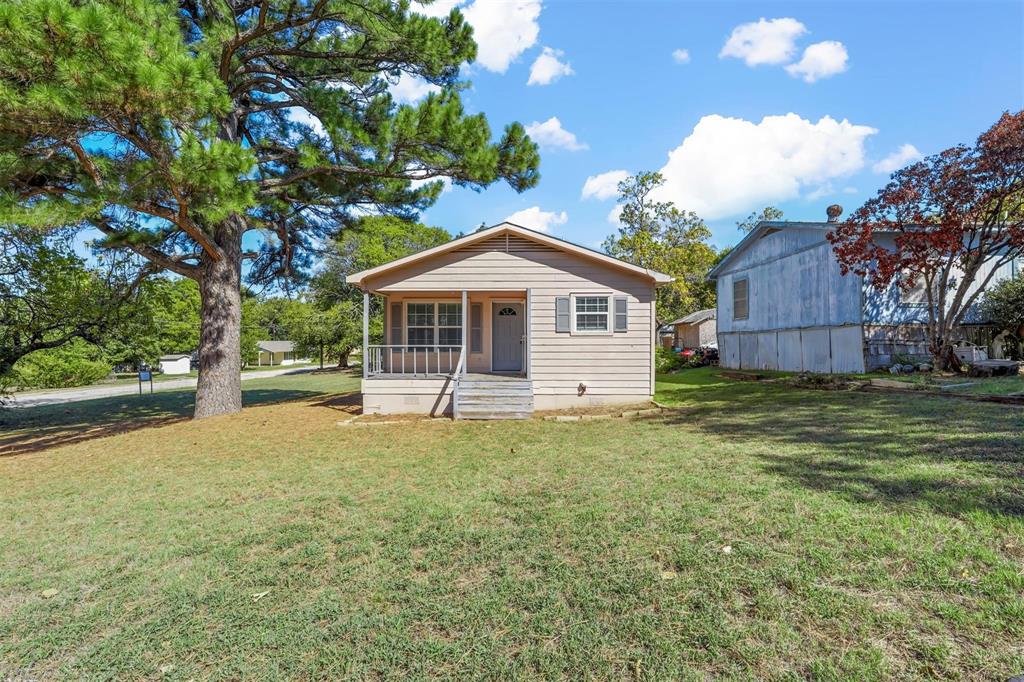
275, 353
178, 363
696, 330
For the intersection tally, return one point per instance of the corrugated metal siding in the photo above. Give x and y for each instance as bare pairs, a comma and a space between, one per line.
823, 350
804, 289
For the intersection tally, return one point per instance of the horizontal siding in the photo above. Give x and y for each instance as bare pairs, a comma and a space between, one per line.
608, 364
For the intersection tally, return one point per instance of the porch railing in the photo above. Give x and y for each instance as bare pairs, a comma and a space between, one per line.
414, 360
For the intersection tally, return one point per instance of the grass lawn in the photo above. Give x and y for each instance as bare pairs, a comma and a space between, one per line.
761, 531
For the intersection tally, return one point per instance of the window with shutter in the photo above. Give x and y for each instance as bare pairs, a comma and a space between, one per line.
591, 314
563, 314
396, 324
476, 328
740, 299
621, 314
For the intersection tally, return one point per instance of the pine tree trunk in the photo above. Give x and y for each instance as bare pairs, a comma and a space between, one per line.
220, 358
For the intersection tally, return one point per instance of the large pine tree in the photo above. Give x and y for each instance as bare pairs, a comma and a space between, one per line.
177, 129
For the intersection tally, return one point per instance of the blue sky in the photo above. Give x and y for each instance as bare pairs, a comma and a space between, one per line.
879, 77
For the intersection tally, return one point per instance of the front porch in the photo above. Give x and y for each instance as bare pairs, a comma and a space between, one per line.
463, 353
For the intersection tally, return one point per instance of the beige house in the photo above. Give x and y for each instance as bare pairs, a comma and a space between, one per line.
505, 321
275, 353
695, 330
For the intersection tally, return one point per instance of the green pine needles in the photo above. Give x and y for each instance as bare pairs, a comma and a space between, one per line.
176, 129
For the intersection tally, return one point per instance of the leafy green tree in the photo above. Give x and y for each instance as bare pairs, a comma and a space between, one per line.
371, 241
659, 236
49, 296
76, 363
768, 213
172, 128
333, 333
1003, 305
166, 320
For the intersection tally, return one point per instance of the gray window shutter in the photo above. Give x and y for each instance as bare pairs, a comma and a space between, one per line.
563, 316
476, 328
621, 313
396, 324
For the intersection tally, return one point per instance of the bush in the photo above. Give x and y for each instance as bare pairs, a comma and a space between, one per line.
1004, 306
669, 361
75, 364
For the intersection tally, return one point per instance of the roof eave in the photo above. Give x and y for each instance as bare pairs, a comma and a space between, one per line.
359, 278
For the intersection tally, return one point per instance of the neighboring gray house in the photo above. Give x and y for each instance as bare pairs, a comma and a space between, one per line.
783, 304
695, 330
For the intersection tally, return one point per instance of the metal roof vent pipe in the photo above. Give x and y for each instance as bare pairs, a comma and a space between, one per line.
833, 212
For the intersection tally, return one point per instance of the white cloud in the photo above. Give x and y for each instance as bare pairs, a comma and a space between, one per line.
547, 68
615, 214
410, 88
681, 56
539, 220
438, 8
766, 41
551, 134
604, 185
446, 183
728, 166
903, 156
820, 60
503, 30
300, 115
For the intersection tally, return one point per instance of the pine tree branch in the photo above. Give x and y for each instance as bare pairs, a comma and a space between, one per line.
175, 264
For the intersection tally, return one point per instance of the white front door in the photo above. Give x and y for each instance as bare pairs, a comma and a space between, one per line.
507, 327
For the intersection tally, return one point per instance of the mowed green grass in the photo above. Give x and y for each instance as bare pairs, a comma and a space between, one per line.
760, 531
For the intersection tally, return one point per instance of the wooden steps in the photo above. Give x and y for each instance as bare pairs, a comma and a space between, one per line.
497, 398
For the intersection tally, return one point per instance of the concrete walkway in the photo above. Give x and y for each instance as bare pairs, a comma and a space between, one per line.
57, 397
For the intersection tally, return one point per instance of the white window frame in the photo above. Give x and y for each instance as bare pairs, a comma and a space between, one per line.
437, 326
608, 315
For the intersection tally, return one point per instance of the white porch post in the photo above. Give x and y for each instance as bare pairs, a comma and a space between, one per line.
529, 323
463, 360
366, 333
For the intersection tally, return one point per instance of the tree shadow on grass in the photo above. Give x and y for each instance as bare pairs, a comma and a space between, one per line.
34, 429
953, 456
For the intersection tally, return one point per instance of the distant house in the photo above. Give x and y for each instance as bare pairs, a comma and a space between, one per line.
505, 320
784, 304
176, 364
695, 330
275, 353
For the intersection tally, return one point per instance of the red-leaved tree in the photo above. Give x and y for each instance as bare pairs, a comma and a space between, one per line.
947, 222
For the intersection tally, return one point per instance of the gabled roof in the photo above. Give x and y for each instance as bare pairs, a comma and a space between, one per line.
762, 228
695, 318
359, 278
276, 346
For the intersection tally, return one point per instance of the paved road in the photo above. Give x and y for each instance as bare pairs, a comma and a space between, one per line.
36, 398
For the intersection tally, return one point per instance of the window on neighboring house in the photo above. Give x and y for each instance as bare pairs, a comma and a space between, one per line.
740, 299
917, 294
430, 323
591, 313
